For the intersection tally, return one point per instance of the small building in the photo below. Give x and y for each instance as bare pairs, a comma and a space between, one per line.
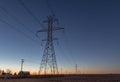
24, 73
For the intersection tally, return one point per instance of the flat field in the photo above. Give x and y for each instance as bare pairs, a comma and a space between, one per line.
68, 78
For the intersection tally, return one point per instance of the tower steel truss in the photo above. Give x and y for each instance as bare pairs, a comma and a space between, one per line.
49, 63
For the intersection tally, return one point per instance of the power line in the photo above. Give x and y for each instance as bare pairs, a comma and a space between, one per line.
9, 14
29, 11
13, 27
31, 61
66, 42
67, 57
50, 8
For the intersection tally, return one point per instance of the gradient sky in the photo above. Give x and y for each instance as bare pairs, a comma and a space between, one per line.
91, 38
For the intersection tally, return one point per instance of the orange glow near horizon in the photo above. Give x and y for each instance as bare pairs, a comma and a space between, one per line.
85, 71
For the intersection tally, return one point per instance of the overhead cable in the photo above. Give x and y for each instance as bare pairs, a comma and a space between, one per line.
14, 18
29, 11
13, 27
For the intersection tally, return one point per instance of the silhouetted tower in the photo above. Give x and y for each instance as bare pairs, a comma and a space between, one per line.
22, 61
49, 58
76, 68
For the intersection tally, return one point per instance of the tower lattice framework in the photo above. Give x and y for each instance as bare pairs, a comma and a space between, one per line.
49, 63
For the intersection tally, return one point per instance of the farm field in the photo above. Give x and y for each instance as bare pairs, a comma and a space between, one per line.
68, 78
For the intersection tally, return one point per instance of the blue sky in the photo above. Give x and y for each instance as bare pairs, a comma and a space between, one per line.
90, 39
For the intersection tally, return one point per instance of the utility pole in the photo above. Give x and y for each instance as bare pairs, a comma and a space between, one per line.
49, 62
76, 68
22, 61
61, 70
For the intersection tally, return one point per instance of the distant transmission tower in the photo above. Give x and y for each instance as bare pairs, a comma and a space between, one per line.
49, 58
22, 61
76, 68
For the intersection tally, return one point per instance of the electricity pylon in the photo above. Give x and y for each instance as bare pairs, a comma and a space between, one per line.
76, 68
49, 58
22, 61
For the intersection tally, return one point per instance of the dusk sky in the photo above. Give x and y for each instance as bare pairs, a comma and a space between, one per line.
91, 38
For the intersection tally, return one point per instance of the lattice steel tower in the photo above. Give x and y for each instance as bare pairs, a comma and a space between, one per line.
49, 63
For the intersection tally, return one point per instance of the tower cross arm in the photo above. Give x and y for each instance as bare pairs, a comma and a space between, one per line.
52, 39
45, 30
58, 28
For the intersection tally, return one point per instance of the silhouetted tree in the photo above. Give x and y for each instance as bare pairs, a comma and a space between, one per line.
8, 71
0, 72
